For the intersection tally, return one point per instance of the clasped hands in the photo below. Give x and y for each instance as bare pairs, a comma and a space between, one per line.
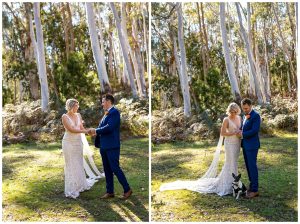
91, 131
238, 133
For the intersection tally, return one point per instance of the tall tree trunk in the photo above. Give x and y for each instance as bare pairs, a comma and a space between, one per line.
289, 82
258, 65
205, 35
177, 61
145, 29
250, 36
117, 61
124, 49
293, 49
51, 76
233, 53
41, 57
98, 56
72, 40
101, 32
250, 56
203, 44
140, 65
230, 69
66, 30
292, 25
101, 38
183, 70
110, 54
284, 45
268, 75
29, 55
131, 52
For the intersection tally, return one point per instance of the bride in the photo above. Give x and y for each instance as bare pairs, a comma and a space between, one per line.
210, 182
75, 145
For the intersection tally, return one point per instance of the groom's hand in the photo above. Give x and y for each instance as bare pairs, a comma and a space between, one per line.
92, 131
239, 133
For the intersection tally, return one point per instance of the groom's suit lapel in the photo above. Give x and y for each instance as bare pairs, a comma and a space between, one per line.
245, 120
105, 116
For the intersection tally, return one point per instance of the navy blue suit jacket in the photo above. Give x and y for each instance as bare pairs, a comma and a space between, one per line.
108, 131
251, 128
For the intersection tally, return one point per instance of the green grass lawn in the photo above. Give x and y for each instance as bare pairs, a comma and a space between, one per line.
277, 164
33, 185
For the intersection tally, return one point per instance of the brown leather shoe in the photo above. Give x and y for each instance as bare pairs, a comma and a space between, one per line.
108, 195
126, 195
252, 195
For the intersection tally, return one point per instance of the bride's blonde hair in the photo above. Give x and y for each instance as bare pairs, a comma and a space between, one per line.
233, 107
70, 103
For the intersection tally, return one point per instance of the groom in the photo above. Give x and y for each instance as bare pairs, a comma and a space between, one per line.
108, 140
250, 144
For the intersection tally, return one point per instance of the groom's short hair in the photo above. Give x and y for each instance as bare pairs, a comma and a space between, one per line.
246, 101
109, 97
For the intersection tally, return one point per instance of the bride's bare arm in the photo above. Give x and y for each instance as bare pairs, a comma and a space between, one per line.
67, 124
81, 122
88, 130
224, 127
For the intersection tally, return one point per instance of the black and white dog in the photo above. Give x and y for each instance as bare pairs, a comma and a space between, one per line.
238, 187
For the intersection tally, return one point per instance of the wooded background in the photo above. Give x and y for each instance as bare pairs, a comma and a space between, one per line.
55, 51
206, 55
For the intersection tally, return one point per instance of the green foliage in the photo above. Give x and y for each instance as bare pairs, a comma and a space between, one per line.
213, 95
165, 84
7, 95
75, 81
279, 68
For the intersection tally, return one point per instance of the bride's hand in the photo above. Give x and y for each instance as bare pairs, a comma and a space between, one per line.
236, 132
239, 133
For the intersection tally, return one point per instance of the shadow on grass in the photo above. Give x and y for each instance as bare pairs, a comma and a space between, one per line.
9, 164
32, 146
43, 195
277, 165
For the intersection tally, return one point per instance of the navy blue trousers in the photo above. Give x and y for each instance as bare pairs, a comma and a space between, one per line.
250, 157
110, 161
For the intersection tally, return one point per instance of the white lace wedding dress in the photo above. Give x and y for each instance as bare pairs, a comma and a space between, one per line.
210, 182
74, 146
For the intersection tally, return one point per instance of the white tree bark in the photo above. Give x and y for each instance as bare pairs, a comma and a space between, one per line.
100, 31
183, 71
124, 49
284, 44
98, 56
289, 82
144, 13
139, 60
40, 56
30, 54
250, 56
251, 75
230, 69
117, 62
131, 52
291, 22
267, 77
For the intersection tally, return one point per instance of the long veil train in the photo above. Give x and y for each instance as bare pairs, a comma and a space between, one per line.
90, 169
205, 184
